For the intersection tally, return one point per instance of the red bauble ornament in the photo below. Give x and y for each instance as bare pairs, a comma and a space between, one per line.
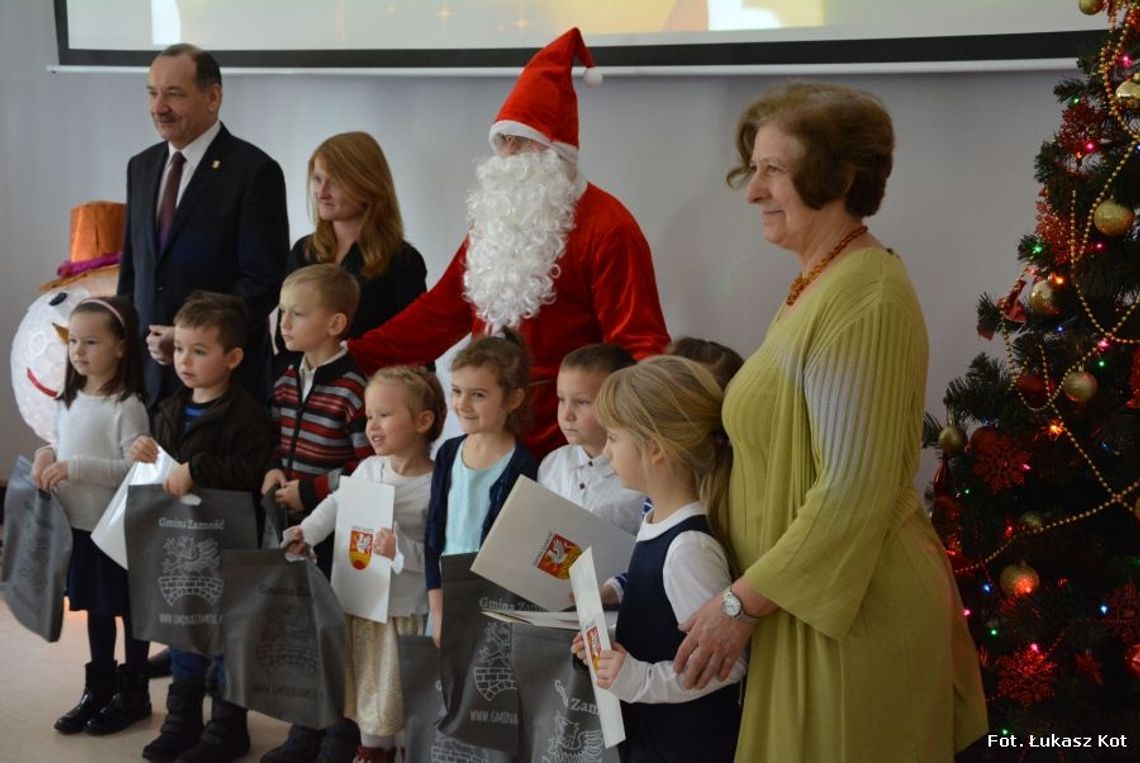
1132, 660
946, 507
1019, 579
1134, 380
1032, 388
984, 439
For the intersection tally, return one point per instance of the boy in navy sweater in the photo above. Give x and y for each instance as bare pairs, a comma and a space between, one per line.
221, 438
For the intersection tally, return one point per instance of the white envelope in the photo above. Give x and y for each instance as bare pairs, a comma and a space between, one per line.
109, 534
361, 577
595, 634
538, 535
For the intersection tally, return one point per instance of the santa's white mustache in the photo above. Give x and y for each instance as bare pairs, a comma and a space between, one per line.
520, 214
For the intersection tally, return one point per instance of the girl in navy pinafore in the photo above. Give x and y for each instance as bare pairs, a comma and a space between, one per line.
662, 418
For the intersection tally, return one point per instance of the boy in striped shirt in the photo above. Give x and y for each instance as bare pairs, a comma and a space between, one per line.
318, 418
318, 400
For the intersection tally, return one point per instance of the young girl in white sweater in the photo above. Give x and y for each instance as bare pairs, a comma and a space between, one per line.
98, 415
405, 409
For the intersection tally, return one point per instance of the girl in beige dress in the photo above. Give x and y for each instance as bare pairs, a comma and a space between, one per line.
405, 409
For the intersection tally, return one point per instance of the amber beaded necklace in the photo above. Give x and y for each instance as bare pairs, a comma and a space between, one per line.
802, 282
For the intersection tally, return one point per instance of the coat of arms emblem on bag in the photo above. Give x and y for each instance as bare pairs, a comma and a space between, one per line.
570, 744
493, 674
190, 569
286, 639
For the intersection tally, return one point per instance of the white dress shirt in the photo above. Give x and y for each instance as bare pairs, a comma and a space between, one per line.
591, 483
308, 374
193, 151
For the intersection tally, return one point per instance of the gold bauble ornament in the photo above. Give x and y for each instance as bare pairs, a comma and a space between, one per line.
1128, 93
1113, 219
1043, 298
1019, 579
1090, 7
1079, 386
951, 440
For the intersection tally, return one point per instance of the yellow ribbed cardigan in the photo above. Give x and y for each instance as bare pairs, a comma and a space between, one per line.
869, 658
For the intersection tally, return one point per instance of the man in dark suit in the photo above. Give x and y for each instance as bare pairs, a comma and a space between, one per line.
205, 210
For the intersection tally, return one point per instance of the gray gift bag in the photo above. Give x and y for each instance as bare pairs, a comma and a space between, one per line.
558, 717
37, 549
480, 696
174, 557
423, 707
284, 638
276, 519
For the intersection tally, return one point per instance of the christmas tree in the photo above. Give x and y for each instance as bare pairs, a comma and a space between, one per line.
1037, 498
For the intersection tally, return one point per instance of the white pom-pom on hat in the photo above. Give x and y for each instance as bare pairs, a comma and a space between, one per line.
592, 77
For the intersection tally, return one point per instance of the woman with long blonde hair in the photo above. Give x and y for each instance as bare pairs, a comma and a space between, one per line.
359, 228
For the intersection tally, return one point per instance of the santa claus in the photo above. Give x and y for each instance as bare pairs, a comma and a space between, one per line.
547, 253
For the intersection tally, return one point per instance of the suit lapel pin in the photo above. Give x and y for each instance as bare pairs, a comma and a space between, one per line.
216, 163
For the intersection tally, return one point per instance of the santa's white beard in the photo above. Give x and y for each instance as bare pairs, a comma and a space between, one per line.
519, 213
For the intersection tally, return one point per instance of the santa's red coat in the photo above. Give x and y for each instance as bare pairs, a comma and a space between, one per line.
605, 291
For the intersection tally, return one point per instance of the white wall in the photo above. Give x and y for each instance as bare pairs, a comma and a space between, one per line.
961, 195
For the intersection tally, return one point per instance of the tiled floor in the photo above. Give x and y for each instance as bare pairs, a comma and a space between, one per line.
40, 681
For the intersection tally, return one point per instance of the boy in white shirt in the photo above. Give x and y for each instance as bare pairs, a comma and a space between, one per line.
578, 471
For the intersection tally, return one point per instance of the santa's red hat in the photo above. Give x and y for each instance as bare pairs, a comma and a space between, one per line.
543, 106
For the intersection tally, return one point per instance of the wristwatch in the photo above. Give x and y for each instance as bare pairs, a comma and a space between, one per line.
732, 606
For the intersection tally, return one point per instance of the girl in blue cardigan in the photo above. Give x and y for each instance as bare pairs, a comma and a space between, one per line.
474, 473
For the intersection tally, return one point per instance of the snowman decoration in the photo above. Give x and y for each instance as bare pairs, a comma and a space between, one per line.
39, 347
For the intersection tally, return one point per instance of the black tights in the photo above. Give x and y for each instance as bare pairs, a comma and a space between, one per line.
101, 639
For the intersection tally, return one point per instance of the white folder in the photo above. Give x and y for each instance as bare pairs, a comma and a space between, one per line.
360, 576
538, 535
595, 634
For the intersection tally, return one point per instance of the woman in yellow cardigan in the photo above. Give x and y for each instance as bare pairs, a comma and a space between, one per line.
859, 647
